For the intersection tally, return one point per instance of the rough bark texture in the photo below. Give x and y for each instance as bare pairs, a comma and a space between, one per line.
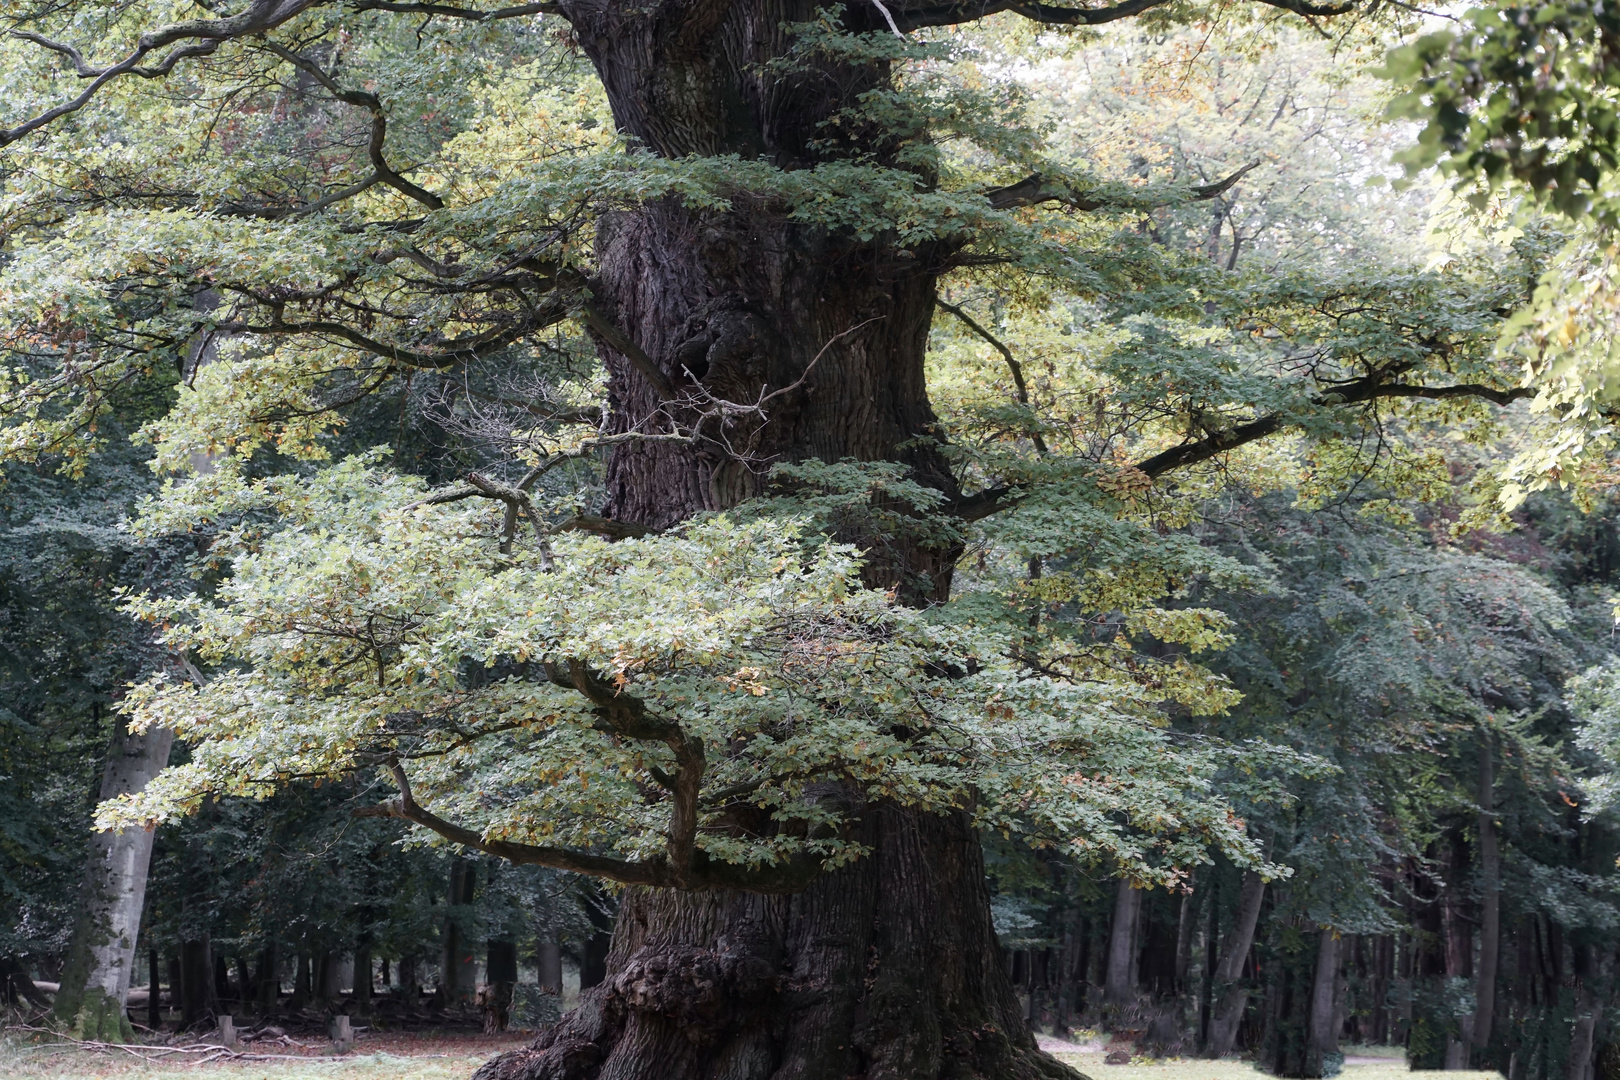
887, 968
101, 956
1234, 997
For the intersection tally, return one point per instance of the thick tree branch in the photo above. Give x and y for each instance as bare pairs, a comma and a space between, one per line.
1057, 15
201, 37
363, 99
994, 500
649, 872
601, 526
628, 716
451, 12
445, 355
632, 352
1036, 189
1050, 14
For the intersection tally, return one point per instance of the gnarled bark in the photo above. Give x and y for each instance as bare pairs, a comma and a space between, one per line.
887, 968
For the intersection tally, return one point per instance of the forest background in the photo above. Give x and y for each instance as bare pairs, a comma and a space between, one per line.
1264, 463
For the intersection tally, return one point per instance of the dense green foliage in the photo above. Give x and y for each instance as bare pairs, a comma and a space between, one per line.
1253, 556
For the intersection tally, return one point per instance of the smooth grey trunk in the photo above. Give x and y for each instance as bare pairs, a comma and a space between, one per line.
1579, 1066
1119, 988
1184, 939
1490, 908
1234, 997
1324, 1030
101, 955
548, 959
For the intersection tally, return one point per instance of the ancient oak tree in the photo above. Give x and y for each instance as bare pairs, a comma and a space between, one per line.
699, 247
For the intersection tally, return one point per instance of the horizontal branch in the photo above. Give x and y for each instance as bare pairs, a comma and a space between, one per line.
621, 343
452, 12
1036, 189
994, 500
602, 526
1050, 14
448, 354
951, 14
705, 873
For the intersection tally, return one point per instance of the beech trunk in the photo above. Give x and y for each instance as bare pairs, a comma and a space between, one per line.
1490, 904
1234, 996
1119, 985
101, 955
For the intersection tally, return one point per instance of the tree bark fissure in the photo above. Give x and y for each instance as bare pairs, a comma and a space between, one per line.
888, 968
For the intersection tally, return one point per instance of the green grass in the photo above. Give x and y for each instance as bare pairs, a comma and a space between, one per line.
412, 1059
1232, 1069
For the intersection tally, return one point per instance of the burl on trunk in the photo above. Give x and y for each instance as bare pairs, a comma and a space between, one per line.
888, 968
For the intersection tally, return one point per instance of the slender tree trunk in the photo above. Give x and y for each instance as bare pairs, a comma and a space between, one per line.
362, 978
593, 964
548, 962
1324, 1031
456, 974
1185, 927
410, 986
1579, 1064
1206, 999
267, 986
301, 981
198, 1002
101, 954
1490, 907
1119, 985
1234, 996
154, 993
500, 980
1459, 944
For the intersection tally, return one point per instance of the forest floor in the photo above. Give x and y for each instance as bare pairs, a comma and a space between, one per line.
452, 1055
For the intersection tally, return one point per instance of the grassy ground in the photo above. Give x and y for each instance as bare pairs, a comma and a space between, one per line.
423, 1056
1369, 1067
455, 1056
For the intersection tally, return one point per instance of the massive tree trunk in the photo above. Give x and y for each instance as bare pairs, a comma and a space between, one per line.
101, 955
889, 967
